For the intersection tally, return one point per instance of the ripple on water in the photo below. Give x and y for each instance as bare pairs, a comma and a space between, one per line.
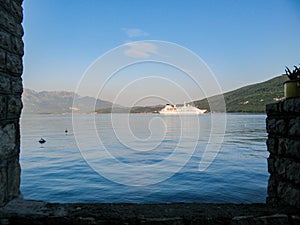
58, 173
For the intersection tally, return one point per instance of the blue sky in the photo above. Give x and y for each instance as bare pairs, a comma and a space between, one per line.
243, 42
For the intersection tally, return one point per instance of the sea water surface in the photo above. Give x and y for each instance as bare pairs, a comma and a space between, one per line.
60, 171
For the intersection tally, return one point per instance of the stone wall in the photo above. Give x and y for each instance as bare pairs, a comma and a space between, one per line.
283, 122
283, 127
11, 67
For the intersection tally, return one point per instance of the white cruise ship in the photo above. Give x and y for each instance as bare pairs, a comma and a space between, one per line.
182, 110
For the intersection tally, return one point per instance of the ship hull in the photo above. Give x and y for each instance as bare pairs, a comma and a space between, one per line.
182, 113
184, 110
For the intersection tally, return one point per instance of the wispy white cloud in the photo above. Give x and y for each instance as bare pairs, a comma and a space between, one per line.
140, 50
134, 32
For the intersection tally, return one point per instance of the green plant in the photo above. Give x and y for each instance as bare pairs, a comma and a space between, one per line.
293, 75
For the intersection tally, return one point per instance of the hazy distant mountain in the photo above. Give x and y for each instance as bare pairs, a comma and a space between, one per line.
251, 98
59, 102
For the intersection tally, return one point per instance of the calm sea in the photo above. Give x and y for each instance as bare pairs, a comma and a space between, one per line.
142, 158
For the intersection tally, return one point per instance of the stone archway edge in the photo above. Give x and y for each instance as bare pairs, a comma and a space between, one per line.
283, 126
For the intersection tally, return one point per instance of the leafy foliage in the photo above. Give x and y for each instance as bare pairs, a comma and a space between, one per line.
293, 75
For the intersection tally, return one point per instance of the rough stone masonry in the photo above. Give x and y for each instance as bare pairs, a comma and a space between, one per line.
11, 68
283, 127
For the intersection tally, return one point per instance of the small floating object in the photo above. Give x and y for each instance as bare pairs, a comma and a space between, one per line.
66, 131
42, 141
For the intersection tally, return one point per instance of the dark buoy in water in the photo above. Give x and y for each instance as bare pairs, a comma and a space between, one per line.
42, 141
66, 131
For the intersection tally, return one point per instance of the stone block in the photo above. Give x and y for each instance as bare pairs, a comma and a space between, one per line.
6, 5
3, 106
280, 165
272, 186
19, 1
14, 64
8, 135
293, 172
293, 148
5, 40
5, 20
3, 185
288, 106
4, 84
17, 46
2, 12
19, 30
272, 108
2, 60
282, 146
297, 105
271, 163
17, 86
288, 194
278, 219
272, 145
281, 127
272, 201
294, 127
10, 23
13, 178
17, 11
295, 219
280, 107
14, 107
271, 125
162, 221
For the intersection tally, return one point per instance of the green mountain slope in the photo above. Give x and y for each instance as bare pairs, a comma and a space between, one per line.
251, 98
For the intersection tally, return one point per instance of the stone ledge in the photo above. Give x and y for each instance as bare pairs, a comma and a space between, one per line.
288, 126
21, 211
284, 107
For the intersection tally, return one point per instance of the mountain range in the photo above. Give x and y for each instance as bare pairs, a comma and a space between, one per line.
250, 98
59, 102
